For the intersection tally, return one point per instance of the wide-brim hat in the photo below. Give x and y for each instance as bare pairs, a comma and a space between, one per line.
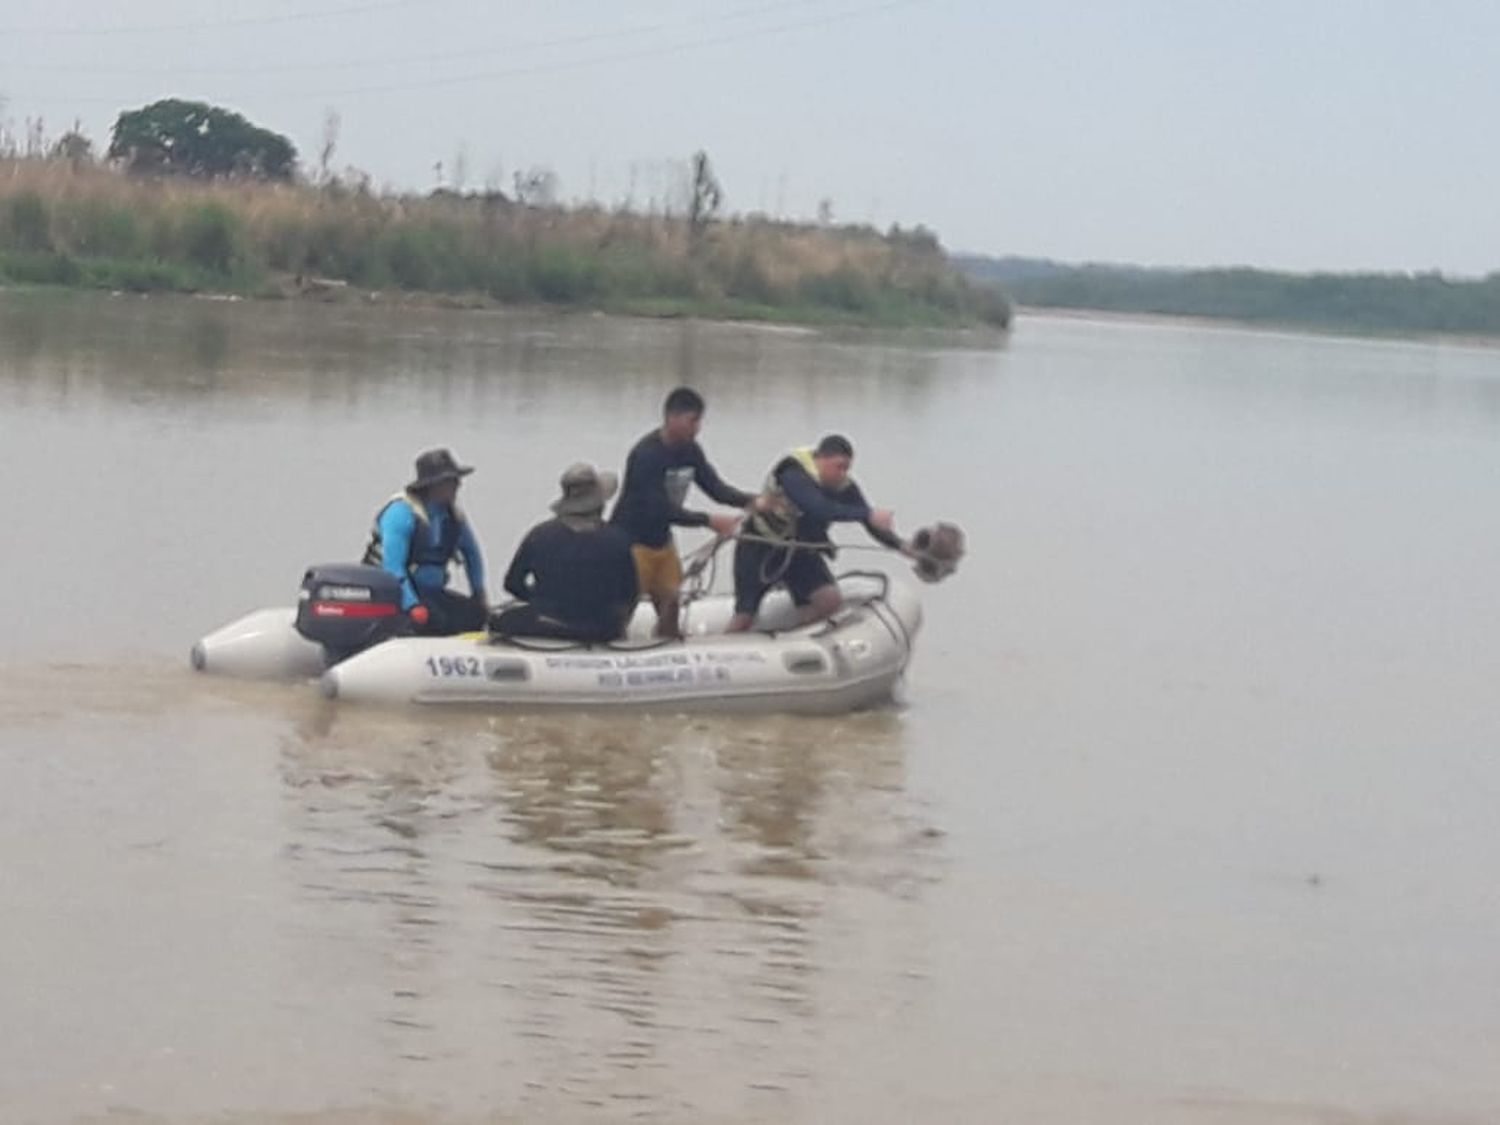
436, 466
585, 490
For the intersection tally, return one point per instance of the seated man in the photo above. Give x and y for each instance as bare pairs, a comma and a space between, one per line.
417, 534
574, 572
807, 490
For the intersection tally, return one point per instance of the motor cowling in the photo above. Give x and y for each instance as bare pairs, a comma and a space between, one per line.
937, 550
347, 608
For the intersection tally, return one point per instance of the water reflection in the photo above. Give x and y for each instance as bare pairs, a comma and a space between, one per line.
173, 349
262, 357
598, 791
607, 893
1258, 372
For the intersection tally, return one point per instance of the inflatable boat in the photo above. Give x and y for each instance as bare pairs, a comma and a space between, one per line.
849, 662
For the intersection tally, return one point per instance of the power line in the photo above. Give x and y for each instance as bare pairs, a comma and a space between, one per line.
412, 60
273, 94
218, 25
608, 59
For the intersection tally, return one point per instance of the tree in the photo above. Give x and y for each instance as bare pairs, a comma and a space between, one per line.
329, 146
461, 168
198, 139
706, 196
36, 138
73, 147
536, 187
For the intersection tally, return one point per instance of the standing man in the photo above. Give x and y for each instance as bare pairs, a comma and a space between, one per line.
417, 534
574, 573
657, 475
787, 535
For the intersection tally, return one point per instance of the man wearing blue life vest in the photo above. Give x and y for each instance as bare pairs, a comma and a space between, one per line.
417, 534
658, 472
785, 541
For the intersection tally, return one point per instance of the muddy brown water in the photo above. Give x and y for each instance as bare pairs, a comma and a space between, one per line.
1189, 813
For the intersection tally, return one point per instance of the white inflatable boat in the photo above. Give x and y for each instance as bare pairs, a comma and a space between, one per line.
850, 662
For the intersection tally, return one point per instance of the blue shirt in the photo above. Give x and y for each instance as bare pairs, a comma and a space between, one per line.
398, 523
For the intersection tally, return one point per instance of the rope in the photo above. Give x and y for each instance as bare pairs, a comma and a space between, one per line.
773, 568
798, 544
703, 559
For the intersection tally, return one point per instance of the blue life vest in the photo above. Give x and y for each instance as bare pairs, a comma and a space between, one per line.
423, 551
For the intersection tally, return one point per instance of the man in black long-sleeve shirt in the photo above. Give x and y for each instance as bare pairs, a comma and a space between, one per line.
808, 490
657, 475
573, 573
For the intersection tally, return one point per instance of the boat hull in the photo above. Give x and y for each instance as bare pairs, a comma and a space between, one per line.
849, 663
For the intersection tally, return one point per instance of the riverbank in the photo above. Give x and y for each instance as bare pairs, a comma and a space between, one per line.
1379, 304
1189, 322
87, 226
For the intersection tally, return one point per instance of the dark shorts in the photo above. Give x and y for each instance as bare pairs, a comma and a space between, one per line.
759, 566
449, 613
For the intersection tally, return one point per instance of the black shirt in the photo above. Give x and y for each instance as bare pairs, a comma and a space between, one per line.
820, 506
657, 476
583, 577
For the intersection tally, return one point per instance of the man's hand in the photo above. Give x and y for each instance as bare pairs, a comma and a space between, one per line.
724, 525
762, 504
882, 518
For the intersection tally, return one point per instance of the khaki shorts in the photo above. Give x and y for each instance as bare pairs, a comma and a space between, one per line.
658, 570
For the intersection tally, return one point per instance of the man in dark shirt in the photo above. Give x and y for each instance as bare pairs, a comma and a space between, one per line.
657, 475
807, 490
574, 572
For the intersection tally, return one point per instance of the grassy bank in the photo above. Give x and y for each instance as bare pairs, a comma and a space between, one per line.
86, 225
1423, 303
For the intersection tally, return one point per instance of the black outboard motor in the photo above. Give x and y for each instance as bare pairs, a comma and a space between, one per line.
347, 608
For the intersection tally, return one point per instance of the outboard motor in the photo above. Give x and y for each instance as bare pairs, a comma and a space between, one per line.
937, 550
348, 608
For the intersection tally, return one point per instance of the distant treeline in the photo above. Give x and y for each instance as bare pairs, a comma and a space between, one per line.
74, 221
1367, 302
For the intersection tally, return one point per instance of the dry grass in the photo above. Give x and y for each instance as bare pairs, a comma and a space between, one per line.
485, 244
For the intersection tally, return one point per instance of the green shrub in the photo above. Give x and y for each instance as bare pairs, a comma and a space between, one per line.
212, 238
841, 289
28, 226
40, 268
100, 229
748, 281
631, 270
990, 305
285, 245
350, 250
561, 274
408, 259
140, 276
507, 279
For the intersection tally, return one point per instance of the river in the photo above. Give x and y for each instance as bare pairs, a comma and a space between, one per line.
1187, 814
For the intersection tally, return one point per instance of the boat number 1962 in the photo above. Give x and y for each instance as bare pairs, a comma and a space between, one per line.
453, 666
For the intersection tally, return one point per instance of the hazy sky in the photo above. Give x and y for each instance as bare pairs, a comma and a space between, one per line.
1284, 133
